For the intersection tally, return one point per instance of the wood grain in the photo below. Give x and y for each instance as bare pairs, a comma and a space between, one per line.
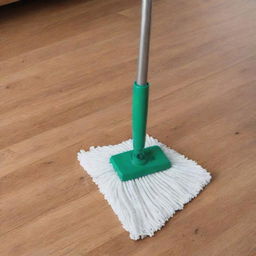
3, 2
66, 70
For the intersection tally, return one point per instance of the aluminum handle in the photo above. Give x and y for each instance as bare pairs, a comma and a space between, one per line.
142, 72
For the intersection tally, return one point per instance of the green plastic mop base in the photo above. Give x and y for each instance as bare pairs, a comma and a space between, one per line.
127, 170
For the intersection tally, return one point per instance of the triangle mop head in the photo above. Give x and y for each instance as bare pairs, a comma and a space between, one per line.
143, 205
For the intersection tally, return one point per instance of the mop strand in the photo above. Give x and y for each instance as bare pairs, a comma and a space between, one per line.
143, 205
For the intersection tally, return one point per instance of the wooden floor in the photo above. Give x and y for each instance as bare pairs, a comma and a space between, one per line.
66, 70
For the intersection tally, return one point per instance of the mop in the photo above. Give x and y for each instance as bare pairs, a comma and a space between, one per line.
144, 181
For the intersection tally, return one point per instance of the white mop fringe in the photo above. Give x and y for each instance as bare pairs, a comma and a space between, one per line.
143, 205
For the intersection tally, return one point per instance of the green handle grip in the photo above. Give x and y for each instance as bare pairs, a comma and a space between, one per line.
139, 121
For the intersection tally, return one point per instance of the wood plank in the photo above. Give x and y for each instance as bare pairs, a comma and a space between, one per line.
3, 2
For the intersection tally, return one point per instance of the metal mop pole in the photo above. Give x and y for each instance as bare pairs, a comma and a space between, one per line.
141, 87
141, 161
144, 42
